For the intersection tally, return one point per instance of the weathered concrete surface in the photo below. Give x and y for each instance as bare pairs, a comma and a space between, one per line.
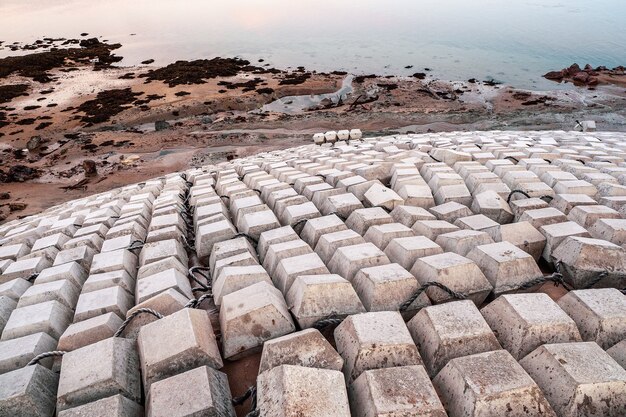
490, 384
50, 317
28, 392
89, 331
579, 379
291, 391
399, 391
16, 353
449, 331
374, 340
523, 322
114, 406
304, 348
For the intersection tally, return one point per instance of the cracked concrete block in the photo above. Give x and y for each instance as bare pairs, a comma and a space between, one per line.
315, 228
523, 322
156, 251
403, 390
121, 259
63, 291
16, 353
618, 352
202, 391
556, 233
348, 260
97, 371
28, 392
584, 259
506, 266
234, 278
373, 341
600, 314
289, 390
457, 272
578, 379
490, 384
380, 196
270, 237
133, 229
433, 228
328, 243
14, 288
50, 317
306, 348
613, 230
152, 285
462, 241
191, 344
341, 204
112, 299
290, 268
408, 215
251, 316
209, 234
114, 406
449, 331
89, 331
315, 297
362, 219
387, 287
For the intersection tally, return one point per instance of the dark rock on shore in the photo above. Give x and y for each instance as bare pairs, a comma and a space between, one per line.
148, 62
587, 76
90, 168
19, 173
106, 105
11, 91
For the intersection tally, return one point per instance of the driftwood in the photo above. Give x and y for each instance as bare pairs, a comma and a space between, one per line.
80, 184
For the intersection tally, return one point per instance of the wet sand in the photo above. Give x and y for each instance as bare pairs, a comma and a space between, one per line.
86, 111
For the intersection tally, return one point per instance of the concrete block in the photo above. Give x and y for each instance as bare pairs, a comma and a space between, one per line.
152, 285
114, 406
449, 331
4, 264
56, 240
192, 344
28, 392
209, 234
373, 341
578, 379
289, 390
328, 243
289, 268
270, 237
543, 217
387, 287
89, 331
341, 204
406, 250
523, 322
566, 202
7, 305
433, 228
121, 259
25, 268
166, 303
618, 352
251, 316
522, 235
63, 291
476, 222
600, 314
13, 252
348, 260
253, 224
556, 233
108, 300
462, 241
314, 297
457, 193
456, 272
14, 288
583, 259
361, 220
381, 235
314, 228
404, 390
306, 348
156, 251
97, 371
575, 187
490, 384
16, 353
520, 206
450, 211
202, 391
110, 279
613, 230
234, 278
380, 196
297, 212
92, 241
408, 215
50, 317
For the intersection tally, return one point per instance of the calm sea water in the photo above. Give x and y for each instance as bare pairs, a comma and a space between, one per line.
514, 41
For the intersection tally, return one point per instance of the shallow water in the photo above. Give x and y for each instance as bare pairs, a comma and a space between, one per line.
513, 41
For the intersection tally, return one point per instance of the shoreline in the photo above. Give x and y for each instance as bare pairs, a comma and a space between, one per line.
208, 111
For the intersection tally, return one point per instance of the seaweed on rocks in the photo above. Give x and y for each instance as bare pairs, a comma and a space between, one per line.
107, 104
11, 91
